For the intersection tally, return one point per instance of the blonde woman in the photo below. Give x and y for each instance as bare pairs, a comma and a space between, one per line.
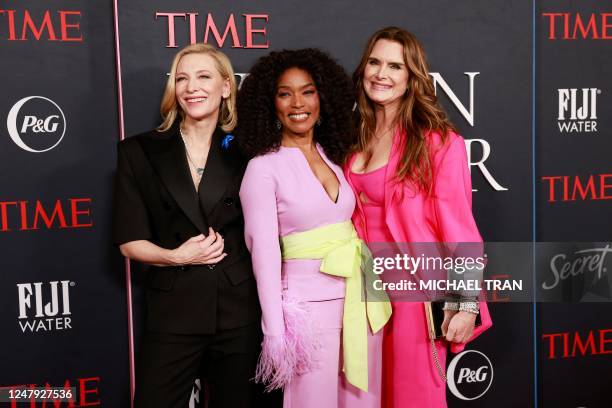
177, 209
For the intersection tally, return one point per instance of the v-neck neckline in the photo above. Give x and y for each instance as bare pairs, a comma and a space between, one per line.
314, 176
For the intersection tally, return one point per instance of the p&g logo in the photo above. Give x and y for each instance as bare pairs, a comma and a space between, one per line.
36, 124
470, 375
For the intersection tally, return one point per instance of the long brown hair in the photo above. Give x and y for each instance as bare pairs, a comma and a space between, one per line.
170, 109
418, 114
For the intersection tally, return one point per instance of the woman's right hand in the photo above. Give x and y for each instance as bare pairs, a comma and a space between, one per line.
200, 250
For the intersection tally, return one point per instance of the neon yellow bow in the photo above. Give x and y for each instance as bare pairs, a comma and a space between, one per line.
344, 254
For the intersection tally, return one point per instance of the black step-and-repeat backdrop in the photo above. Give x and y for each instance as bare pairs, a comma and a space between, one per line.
62, 287
574, 189
527, 83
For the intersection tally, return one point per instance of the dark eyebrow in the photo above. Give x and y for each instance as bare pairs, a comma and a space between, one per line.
401, 64
302, 87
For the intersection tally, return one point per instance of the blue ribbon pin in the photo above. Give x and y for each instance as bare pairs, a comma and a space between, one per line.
226, 141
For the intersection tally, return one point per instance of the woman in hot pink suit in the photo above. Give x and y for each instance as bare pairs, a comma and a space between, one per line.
411, 178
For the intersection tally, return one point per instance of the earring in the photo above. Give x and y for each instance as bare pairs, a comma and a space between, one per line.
279, 125
319, 121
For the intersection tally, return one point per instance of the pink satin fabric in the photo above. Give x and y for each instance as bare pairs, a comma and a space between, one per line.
410, 378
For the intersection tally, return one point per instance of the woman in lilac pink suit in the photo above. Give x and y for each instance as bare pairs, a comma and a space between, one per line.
412, 182
296, 126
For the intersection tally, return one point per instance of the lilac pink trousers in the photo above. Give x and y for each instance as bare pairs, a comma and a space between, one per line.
326, 386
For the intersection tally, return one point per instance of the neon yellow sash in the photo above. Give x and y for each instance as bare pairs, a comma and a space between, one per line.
343, 254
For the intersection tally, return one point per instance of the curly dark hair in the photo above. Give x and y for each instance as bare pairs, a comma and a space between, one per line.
257, 133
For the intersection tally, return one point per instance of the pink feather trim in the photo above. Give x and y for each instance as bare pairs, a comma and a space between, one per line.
292, 353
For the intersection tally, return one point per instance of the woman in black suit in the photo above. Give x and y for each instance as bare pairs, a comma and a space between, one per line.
177, 209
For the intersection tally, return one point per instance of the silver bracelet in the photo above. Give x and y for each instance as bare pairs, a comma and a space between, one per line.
454, 306
470, 307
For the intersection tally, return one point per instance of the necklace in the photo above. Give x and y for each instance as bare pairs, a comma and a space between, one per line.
384, 133
198, 169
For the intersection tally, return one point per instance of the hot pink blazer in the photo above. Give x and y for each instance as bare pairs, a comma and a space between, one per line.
444, 216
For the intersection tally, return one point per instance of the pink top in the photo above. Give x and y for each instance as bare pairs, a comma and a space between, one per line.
281, 195
372, 185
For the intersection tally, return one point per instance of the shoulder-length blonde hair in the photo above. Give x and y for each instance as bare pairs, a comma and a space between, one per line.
418, 114
170, 108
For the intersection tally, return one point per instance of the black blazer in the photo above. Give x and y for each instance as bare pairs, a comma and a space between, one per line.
155, 200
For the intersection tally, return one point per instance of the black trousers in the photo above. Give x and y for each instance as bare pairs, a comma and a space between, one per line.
168, 365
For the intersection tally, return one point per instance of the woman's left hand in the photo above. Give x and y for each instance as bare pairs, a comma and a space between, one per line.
458, 327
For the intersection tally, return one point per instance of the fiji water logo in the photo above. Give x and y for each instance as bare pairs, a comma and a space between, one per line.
578, 110
44, 306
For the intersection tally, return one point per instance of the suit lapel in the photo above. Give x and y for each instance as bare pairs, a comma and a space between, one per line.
390, 181
349, 179
217, 175
168, 158
391, 186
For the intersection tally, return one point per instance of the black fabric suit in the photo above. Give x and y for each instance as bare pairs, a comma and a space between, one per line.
201, 321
